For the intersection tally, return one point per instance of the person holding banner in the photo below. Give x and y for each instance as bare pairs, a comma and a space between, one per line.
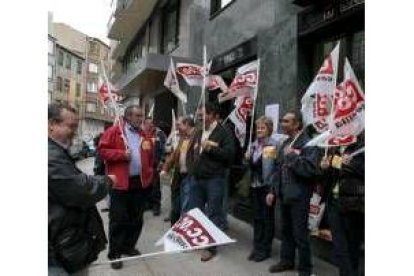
212, 153
291, 182
261, 160
346, 214
129, 154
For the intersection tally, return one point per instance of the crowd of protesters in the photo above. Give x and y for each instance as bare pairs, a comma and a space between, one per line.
132, 159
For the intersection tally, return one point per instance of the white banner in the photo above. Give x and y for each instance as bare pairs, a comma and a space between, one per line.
348, 113
193, 230
216, 82
317, 100
171, 82
244, 83
239, 117
192, 73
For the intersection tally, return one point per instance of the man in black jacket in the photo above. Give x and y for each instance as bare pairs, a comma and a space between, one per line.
291, 183
212, 153
75, 230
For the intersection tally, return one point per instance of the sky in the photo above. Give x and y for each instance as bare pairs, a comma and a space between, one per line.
88, 16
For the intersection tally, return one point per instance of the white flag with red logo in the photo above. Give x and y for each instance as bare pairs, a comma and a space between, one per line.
171, 82
238, 116
348, 120
216, 82
317, 101
244, 83
193, 231
193, 73
104, 93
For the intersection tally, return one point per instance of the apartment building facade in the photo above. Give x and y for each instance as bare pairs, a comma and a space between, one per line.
79, 56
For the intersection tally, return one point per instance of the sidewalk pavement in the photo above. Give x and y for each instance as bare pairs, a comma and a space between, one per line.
230, 260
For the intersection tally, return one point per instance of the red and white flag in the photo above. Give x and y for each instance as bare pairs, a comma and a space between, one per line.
193, 231
244, 83
216, 82
317, 100
238, 116
348, 119
104, 93
192, 73
171, 82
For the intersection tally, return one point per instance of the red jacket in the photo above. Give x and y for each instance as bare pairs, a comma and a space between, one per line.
112, 149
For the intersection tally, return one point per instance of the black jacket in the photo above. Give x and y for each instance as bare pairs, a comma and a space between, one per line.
294, 174
72, 196
215, 161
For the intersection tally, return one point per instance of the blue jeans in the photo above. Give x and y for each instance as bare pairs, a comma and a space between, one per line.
185, 194
211, 192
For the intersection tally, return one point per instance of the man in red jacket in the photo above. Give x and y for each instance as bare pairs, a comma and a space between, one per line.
129, 154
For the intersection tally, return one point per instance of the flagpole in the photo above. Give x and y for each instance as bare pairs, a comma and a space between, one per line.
203, 88
115, 106
332, 114
254, 105
162, 253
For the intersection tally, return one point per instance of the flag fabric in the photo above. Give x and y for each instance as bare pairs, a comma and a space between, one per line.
238, 116
244, 83
317, 100
193, 230
348, 118
216, 82
349, 109
192, 73
103, 93
171, 82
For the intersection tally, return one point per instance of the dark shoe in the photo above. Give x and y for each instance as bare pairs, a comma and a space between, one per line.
207, 255
133, 252
280, 267
260, 257
156, 211
251, 256
118, 264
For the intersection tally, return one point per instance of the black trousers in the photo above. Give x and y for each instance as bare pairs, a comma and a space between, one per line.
347, 236
154, 201
126, 218
264, 221
295, 234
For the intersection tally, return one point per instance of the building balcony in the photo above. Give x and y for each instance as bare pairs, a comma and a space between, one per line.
128, 17
146, 75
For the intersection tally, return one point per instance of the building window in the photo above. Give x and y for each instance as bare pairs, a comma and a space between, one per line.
59, 84
94, 48
50, 71
66, 86
93, 68
78, 90
60, 58
68, 61
79, 67
91, 107
92, 87
170, 26
217, 5
51, 47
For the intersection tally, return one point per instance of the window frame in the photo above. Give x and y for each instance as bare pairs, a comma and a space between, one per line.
168, 9
216, 8
88, 104
68, 64
89, 68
